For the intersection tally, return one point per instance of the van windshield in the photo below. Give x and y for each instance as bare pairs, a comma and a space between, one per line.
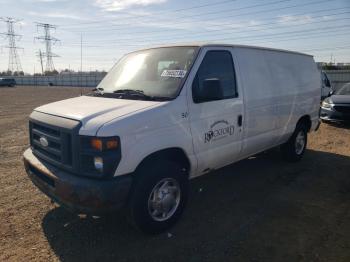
157, 72
345, 90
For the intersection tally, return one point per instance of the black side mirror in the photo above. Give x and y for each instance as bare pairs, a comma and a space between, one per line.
211, 90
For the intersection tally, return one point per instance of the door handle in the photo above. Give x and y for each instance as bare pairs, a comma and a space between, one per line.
240, 120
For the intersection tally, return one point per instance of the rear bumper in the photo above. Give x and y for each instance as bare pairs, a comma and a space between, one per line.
331, 115
78, 194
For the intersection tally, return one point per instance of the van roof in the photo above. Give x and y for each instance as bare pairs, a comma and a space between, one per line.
206, 44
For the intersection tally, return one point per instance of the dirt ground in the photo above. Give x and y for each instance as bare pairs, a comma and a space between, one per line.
260, 209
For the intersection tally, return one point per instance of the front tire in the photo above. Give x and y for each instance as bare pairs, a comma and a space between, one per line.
158, 197
294, 149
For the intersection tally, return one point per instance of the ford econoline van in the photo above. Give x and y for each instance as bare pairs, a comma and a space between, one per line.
165, 115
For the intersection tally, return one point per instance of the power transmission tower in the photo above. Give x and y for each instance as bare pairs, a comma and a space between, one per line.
49, 41
40, 55
14, 61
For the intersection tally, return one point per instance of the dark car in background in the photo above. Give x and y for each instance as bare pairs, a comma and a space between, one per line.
326, 86
10, 82
337, 107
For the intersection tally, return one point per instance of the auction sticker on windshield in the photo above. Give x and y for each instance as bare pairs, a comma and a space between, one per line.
174, 73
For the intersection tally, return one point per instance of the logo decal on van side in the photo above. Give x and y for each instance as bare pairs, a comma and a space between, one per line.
218, 130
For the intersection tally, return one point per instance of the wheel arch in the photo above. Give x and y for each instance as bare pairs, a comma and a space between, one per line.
174, 154
306, 120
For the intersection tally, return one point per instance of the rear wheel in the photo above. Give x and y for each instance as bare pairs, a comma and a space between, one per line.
294, 149
159, 196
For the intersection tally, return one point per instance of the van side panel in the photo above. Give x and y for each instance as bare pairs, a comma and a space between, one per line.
259, 116
296, 79
279, 87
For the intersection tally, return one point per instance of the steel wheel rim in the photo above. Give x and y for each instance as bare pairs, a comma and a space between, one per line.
300, 142
164, 199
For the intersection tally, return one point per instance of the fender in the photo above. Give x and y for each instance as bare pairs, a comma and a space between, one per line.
145, 145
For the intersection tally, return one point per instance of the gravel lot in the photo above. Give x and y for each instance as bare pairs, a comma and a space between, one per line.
260, 209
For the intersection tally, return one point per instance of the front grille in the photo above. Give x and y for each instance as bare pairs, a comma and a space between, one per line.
343, 109
59, 147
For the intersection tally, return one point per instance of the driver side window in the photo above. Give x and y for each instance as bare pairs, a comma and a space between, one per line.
215, 79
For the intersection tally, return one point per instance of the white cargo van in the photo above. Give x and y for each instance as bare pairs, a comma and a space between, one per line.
164, 115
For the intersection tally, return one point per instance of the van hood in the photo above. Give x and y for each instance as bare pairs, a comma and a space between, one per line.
93, 112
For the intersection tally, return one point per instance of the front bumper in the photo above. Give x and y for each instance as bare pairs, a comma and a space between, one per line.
80, 195
332, 115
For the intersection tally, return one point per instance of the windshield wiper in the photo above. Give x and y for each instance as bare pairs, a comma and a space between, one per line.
139, 93
129, 92
99, 90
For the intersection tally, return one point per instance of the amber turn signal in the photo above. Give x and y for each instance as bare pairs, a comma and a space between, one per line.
96, 144
111, 144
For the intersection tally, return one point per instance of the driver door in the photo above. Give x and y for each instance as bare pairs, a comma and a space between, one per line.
216, 110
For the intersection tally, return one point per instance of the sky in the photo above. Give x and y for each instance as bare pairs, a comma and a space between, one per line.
111, 28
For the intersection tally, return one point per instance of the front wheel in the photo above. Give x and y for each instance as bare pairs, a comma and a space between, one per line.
294, 149
159, 197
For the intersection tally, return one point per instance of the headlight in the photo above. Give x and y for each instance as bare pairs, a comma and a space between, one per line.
327, 105
98, 163
99, 156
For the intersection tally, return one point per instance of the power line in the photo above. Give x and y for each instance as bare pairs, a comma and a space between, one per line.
327, 48
118, 27
14, 64
151, 33
242, 29
234, 29
237, 38
155, 19
297, 32
334, 49
306, 35
332, 33
221, 24
49, 41
152, 15
120, 40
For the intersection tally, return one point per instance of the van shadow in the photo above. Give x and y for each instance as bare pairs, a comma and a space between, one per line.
230, 213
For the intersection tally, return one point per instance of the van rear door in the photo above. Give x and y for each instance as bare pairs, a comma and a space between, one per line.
216, 109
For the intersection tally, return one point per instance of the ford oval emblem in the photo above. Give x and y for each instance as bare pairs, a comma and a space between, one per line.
43, 141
